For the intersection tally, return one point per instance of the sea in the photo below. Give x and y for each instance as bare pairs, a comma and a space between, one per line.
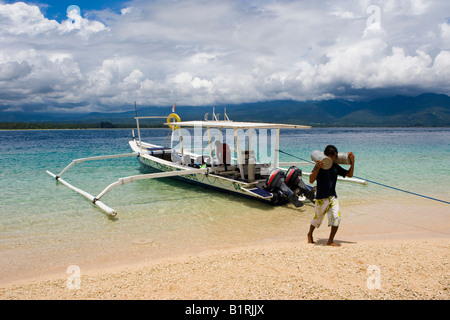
46, 227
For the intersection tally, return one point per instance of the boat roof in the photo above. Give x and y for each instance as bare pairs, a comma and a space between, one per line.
237, 125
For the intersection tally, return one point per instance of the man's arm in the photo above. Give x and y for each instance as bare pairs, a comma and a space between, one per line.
351, 157
315, 172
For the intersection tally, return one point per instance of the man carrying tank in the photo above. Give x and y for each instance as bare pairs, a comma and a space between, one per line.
326, 198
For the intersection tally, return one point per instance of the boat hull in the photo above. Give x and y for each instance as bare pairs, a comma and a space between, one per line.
212, 182
160, 162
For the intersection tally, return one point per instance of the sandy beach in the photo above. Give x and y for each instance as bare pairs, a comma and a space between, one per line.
388, 251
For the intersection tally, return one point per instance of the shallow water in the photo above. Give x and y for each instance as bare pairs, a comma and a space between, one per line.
46, 226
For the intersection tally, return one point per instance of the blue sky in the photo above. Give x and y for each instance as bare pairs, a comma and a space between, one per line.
205, 52
56, 9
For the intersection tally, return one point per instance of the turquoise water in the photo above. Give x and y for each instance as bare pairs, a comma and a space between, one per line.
46, 226
413, 159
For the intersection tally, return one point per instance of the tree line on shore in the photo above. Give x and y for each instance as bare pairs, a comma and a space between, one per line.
56, 125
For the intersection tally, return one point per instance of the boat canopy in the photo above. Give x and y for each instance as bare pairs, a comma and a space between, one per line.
237, 125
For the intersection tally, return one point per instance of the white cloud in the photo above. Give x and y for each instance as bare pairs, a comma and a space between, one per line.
407, 7
203, 52
441, 67
76, 22
445, 31
22, 19
126, 10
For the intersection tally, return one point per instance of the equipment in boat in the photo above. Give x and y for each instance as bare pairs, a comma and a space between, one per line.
235, 170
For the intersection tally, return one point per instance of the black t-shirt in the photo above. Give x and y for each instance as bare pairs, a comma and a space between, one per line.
326, 181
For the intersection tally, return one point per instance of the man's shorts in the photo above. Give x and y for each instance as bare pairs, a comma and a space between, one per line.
330, 206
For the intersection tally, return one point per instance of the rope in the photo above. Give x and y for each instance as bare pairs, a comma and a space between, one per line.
374, 182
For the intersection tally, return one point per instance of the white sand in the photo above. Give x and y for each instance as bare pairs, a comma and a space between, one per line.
408, 245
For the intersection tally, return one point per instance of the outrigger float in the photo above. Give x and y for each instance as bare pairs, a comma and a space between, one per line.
273, 182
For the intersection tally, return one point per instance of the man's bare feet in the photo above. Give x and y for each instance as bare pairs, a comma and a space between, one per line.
310, 234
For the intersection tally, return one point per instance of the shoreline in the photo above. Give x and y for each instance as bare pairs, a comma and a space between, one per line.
287, 270
133, 127
410, 249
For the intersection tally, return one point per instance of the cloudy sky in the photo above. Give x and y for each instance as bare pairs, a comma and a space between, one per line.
104, 55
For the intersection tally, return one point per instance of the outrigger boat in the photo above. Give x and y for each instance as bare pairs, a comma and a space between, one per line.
217, 167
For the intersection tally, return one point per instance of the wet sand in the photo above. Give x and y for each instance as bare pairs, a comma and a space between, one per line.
389, 250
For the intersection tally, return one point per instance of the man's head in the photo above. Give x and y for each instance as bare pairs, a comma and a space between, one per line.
331, 152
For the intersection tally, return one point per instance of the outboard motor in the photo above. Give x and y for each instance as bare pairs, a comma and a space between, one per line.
281, 192
295, 182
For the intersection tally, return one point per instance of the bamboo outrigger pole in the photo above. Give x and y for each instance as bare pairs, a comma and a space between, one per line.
87, 195
121, 181
76, 161
156, 175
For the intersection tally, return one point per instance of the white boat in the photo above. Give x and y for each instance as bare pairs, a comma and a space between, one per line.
214, 165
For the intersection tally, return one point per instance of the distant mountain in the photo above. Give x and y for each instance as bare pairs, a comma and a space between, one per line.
425, 110
429, 110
